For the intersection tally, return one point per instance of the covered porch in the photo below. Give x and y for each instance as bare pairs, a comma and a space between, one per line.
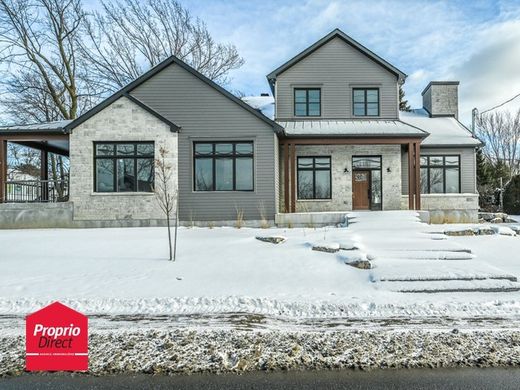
389, 171
44, 182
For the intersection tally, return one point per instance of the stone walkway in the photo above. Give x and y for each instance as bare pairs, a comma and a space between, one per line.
411, 256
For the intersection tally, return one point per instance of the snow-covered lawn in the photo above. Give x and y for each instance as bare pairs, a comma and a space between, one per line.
222, 270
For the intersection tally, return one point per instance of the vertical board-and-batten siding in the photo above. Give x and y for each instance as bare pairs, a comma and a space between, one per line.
204, 114
468, 180
337, 68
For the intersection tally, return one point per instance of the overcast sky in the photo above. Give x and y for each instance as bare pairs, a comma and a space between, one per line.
475, 42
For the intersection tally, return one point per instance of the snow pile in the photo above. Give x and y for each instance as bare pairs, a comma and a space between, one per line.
187, 351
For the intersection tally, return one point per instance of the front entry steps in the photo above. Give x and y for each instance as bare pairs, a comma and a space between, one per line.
453, 286
409, 257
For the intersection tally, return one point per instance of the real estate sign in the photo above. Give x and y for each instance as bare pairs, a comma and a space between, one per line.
56, 339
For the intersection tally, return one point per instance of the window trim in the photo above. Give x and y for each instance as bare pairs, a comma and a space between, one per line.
313, 170
214, 157
366, 101
443, 167
114, 159
307, 89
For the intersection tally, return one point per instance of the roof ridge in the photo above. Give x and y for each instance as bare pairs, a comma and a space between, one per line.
152, 72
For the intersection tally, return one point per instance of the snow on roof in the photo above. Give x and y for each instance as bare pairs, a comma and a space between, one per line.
444, 131
352, 127
47, 126
264, 104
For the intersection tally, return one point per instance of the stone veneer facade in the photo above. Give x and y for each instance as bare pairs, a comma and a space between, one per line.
341, 158
123, 120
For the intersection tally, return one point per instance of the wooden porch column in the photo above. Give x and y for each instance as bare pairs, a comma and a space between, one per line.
3, 168
411, 175
286, 177
417, 150
293, 178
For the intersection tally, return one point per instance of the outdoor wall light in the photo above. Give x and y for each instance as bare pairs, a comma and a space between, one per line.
346, 170
388, 169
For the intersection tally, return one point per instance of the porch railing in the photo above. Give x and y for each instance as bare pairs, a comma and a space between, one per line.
38, 191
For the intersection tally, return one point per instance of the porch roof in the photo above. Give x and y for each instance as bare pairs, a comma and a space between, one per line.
50, 136
351, 128
57, 127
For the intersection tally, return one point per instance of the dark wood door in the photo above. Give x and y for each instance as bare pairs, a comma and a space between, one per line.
361, 190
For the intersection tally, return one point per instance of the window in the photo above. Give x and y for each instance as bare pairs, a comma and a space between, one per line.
307, 102
314, 180
123, 166
223, 166
365, 101
440, 174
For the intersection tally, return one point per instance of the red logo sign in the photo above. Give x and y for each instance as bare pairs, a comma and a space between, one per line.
56, 339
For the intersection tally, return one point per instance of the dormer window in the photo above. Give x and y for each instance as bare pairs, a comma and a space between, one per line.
366, 101
307, 102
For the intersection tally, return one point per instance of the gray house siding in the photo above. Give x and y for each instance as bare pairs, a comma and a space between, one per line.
204, 114
468, 178
336, 68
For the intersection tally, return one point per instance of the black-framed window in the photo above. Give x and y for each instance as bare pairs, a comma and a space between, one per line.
123, 166
365, 101
307, 102
314, 178
440, 174
223, 166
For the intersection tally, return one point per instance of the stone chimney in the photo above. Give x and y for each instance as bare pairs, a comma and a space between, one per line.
441, 98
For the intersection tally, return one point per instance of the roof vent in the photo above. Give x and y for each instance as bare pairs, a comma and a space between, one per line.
264, 94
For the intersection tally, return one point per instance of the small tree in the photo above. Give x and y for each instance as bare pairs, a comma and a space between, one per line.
166, 196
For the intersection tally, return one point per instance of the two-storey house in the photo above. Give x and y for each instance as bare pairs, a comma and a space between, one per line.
337, 142
346, 145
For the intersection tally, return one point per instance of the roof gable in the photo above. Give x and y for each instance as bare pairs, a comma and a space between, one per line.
337, 33
125, 91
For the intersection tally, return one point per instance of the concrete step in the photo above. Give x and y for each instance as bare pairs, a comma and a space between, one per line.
453, 286
422, 255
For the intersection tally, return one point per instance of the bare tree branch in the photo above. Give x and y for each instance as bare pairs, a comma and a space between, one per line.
501, 133
130, 36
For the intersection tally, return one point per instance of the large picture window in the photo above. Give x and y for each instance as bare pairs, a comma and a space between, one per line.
365, 101
440, 174
123, 166
314, 179
307, 102
223, 166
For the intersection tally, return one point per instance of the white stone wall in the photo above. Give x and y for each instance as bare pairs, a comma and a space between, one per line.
123, 120
341, 158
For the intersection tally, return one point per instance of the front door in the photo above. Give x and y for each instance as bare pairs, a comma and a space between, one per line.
361, 190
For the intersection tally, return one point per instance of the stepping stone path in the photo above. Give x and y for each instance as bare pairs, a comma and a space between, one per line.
461, 232
272, 239
329, 248
361, 264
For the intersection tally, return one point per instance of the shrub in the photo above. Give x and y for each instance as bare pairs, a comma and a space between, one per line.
512, 196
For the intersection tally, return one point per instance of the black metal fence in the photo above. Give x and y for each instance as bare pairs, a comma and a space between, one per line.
38, 191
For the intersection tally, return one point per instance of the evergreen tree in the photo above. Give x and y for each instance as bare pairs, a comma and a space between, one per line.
484, 170
403, 104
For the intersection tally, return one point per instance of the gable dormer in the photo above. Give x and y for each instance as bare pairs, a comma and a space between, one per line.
336, 78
